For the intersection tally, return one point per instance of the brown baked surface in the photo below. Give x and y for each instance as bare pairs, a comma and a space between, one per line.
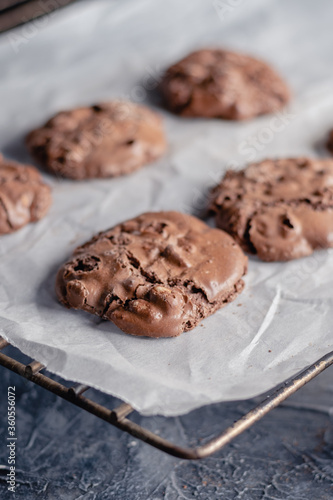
156, 275
223, 84
278, 209
24, 197
105, 140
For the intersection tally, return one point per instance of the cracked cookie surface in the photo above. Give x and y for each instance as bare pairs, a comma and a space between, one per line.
278, 209
105, 140
223, 84
24, 197
156, 275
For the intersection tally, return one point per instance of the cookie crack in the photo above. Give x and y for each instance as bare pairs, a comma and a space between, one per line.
110, 298
247, 237
108, 301
193, 288
150, 276
316, 205
133, 260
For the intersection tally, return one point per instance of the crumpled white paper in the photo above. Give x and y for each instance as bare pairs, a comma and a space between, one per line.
93, 51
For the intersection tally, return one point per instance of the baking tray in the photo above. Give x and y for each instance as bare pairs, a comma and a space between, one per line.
118, 415
16, 12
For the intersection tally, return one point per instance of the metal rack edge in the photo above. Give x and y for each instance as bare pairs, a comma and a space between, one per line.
117, 416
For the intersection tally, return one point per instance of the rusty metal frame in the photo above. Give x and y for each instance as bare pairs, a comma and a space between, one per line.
14, 14
117, 416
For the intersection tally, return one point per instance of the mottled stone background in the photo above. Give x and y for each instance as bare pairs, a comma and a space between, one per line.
65, 453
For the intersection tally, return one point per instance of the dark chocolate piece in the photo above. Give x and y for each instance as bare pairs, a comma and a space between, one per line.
278, 209
223, 84
24, 197
156, 275
104, 140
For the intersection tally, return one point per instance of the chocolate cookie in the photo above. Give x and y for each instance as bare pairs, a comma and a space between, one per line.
278, 209
223, 84
23, 196
105, 140
156, 275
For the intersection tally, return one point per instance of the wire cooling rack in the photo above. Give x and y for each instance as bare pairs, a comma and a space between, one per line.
16, 12
118, 416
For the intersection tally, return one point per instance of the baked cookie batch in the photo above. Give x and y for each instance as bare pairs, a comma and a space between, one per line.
160, 274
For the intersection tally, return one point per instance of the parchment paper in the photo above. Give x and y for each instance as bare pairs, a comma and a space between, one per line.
94, 51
